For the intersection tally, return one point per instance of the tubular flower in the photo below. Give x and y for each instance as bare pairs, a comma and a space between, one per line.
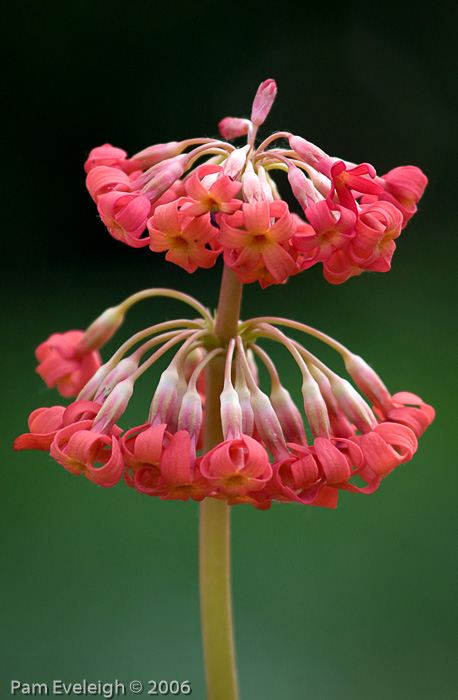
125, 216
44, 423
184, 237
210, 190
65, 364
352, 215
256, 235
237, 467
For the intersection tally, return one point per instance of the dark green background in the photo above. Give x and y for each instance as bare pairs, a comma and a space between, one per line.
100, 584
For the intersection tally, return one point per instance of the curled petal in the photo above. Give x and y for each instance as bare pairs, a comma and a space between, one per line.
63, 365
103, 179
43, 423
388, 445
78, 450
125, 216
105, 155
410, 410
237, 466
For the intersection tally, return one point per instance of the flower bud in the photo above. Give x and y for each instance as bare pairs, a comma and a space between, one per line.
231, 414
315, 408
190, 416
234, 165
102, 329
353, 405
263, 101
165, 397
230, 127
152, 155
368, 381
114, 406
288, 415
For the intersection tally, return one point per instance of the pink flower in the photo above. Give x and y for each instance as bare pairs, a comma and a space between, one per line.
183, 237
410, 410
256, 234
180, 475
404, 186
79, 449
333, 229
237, 467
377, 225
43, 423
63, 363
387, 446
105, 155
142, 448
125, 215
209, 193
340, 267
350, 182
103, 179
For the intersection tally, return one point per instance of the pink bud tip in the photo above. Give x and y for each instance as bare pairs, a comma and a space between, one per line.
231, 127
263, 101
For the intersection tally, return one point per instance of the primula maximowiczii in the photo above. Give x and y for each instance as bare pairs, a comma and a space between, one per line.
212, 433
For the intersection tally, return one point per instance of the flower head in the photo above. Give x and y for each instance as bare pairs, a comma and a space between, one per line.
352, 215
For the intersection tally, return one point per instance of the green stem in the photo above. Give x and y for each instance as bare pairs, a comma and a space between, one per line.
214, 558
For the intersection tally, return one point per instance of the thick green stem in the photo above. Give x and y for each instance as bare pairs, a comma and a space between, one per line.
214, 562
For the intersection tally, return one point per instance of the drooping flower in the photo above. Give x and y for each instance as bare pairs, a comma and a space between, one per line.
65, 364
237, 467
44, 423
125, 216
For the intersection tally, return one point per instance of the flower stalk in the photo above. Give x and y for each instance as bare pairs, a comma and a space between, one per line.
214, 536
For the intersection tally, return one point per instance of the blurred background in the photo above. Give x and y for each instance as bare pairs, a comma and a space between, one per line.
102, 584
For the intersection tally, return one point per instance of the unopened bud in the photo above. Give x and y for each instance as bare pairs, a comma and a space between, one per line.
315, 408
307, 151
268, 424
263, 101
114, 406
288, 414
231, 127
251, 187
368, 381
190, 416
234, 165
101, 330
162, 176
352, 404
165, 397
301, 186
124, 369
152, 155
231, 414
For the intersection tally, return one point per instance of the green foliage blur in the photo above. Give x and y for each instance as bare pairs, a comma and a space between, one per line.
101, 584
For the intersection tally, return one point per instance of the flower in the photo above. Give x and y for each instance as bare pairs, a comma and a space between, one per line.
65, 364
237, 467
184, 237
255, 235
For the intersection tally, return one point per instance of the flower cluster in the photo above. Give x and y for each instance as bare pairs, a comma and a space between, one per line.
199, 198
270, 450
